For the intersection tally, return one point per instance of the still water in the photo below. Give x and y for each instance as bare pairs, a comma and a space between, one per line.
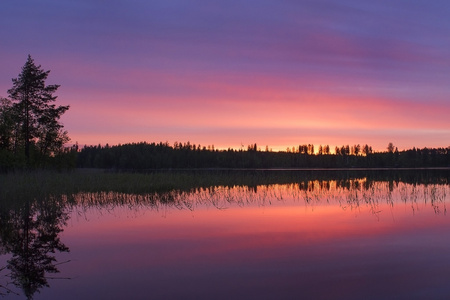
334, 238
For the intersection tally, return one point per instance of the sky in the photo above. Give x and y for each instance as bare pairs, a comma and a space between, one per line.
278, 73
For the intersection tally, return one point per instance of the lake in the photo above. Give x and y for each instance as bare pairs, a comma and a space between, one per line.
251, 235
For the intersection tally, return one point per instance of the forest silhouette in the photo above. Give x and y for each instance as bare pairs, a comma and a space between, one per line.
142, 156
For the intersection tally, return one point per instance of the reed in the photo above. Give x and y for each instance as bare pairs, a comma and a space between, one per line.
43, 183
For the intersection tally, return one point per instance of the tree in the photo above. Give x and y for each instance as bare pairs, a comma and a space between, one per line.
337, 150
35, 116
310, 149
357, 149
390, 148
366, 150
6, 124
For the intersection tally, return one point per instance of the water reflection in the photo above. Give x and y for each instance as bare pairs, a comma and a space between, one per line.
29, 233
352, 194
341, 238
304, 235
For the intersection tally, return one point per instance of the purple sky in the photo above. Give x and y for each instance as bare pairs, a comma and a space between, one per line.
276, 73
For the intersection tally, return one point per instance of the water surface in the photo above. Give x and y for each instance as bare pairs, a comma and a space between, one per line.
351, 237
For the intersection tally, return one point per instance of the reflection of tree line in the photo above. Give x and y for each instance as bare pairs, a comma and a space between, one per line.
351, 194
29, 229
29, 232
17, 186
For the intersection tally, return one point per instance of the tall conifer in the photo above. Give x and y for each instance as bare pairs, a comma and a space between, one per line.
35, 114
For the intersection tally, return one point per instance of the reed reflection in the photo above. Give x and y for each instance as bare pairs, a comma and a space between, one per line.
30, 234
350, 194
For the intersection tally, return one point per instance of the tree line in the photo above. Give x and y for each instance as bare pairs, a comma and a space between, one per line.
31, 136
143, 156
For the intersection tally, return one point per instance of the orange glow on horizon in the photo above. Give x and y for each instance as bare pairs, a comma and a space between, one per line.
262, 110
278, 125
